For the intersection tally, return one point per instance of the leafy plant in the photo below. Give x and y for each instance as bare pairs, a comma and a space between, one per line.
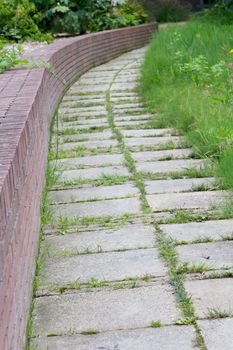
171, 10
19, 21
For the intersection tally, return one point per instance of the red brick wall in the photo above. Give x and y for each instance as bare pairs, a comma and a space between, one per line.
28, 100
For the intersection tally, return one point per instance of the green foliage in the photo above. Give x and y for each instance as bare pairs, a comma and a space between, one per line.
19, 20
171, 10
79, 16
189, 81
131, 13
220, 13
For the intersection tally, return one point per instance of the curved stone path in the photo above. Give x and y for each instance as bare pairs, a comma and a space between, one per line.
128, 244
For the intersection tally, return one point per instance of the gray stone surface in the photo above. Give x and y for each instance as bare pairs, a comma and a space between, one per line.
217, 333
214, 229
88, 144
150, 141
146, 132
213, 294
156, 155
82, 117
87, 122
126, 106
165, 338
111, 207
191, 200
166, 166
74, 125
129, 123
215, 255
89, 161
104, 310
132, 117
83, 111
110, 266
93, 173
86, 193
130, 236
89, 88
123, 86
103, 135
180, 185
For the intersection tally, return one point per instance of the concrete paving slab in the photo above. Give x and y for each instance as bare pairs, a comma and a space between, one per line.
165, 338
103, 135
110, 266
166, 166
72, 112
88, 144
123, 86
85, 110
90, 161
192, 200
75, 125
132, 117
93, 173
151, 141
179, 185
89, 88
146, 132
214, 229
129, 123
104, 310
217, 333
156, 155
87, 122
129, 236
129, 106
89, 192
83, 99
212, 294
111, 207
215, 255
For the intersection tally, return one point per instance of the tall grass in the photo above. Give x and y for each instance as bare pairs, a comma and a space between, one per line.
187, 77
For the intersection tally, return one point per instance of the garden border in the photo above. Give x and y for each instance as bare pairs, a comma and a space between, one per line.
28, 100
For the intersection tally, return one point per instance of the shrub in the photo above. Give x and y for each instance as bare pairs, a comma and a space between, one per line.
19, 20
170, 10
221, 13
131, 13
80, 16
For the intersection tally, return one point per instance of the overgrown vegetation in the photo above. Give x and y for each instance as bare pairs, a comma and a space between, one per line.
189, 82
36, 19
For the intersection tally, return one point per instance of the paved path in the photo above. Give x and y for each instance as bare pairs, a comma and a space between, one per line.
128, 245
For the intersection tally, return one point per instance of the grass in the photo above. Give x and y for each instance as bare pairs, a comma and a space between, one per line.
168, 253
65, 223
218, 313
103, 180
189, 82
128, 159
156, 324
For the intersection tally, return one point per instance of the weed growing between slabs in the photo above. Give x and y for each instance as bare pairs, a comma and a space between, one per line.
189, 81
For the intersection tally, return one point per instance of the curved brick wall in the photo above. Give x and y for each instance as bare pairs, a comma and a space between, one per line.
28, 100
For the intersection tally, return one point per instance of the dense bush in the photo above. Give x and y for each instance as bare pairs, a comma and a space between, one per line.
131, 13
167, 10
27, 19
171, 10
19, 20
77, 16
221, 13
